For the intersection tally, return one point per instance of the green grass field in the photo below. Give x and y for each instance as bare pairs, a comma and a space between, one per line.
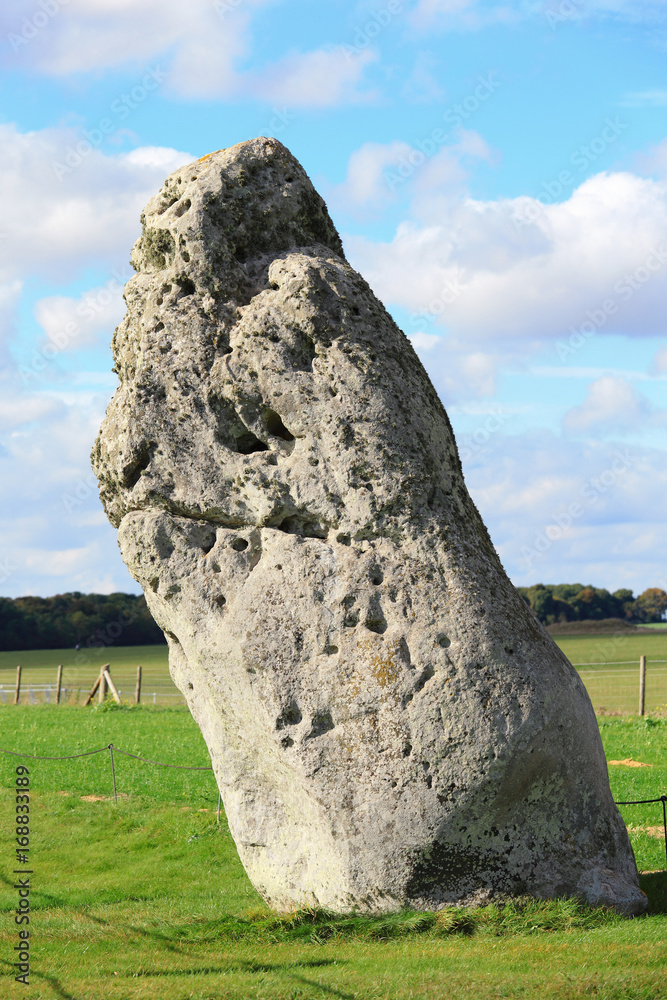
147, 899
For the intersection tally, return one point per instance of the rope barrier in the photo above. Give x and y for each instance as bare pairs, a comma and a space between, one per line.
184, 767
112, 749
34, 756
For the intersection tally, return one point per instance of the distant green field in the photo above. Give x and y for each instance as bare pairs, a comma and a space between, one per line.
609, 648
80, 670
613, 686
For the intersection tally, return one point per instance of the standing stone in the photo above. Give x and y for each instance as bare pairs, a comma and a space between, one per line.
388, 722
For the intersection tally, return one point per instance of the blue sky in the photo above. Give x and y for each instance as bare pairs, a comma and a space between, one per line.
498, 173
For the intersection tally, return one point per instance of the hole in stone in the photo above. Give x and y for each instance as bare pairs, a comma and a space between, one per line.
154, 584
191, 687
351, 620
377, 576
275, 426
187, 287
215, 567
296, 524
247, 443
132, 471
444, 641
239, 544
220, 601
429, 780
344, 539
331, 650
509, 650
407, 749
279, 566
425, 676
290, 716
377, 625
159, 327
322, 723
286, 742
208, 543
182, 208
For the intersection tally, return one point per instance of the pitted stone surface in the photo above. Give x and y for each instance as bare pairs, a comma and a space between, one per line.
388, 723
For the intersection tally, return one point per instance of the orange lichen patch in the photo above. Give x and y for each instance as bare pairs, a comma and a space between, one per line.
381, 659
629, 762
209, 155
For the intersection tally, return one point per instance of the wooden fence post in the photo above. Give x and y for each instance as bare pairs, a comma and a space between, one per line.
17, 693
59, 681
110, 684
137, 693
96, 686
102, 689
642, 684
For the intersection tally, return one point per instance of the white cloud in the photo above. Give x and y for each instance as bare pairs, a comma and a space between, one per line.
505, 282
612, 403
94, 35
198, 54
17, 410
56, 228
562, 510
73, 323
424, 341
53, 533
365, 184
321, 78
378, 173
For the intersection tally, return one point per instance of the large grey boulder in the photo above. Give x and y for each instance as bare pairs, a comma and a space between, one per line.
388, 723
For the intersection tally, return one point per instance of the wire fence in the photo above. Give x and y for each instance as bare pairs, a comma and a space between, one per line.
71, 685
111, 750
625, 687
614, 687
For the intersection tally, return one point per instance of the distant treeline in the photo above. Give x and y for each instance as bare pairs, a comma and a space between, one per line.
69, 620
572, 602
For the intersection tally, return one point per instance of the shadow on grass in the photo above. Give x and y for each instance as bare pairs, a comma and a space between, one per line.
288, 969
654, 884
54, 983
